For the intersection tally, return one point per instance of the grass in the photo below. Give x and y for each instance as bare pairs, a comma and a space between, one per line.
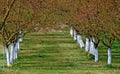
58, 53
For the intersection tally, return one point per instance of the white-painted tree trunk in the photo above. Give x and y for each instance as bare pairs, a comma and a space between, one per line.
17, 47
80, 41
18, 44
12, 53
20, 36
75, 35
21, 39
95, 51
7, 56
87, 44
96, 54
71, 32
15, 52
93, 39
109, 56
92, 48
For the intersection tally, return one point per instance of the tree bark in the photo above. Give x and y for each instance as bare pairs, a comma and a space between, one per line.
109, 56
16, 50
96, 54
18, 44
7, 56
80, 41
12, 53
92, 48
20, 36
87, 46
71, 32
75, 35
21, 39
17, 47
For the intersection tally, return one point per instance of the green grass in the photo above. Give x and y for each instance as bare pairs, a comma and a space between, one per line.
58, 53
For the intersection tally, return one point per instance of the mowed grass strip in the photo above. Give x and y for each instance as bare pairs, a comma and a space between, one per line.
58, 53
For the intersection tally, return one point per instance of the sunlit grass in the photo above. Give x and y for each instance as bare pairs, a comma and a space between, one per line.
58, 53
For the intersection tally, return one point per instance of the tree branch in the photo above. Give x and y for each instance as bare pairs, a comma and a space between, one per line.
7, 14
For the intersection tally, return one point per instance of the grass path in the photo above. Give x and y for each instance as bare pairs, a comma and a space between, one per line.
58, 53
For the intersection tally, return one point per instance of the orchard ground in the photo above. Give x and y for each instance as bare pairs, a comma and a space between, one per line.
58, 53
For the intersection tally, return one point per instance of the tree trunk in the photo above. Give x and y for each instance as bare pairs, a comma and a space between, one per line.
80, 41
20, 36
16, 50
75, 35
109, 56
17, 46
87, 46
71, 32
96, 54
7, 56
92, 48
20, 39
12, 53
